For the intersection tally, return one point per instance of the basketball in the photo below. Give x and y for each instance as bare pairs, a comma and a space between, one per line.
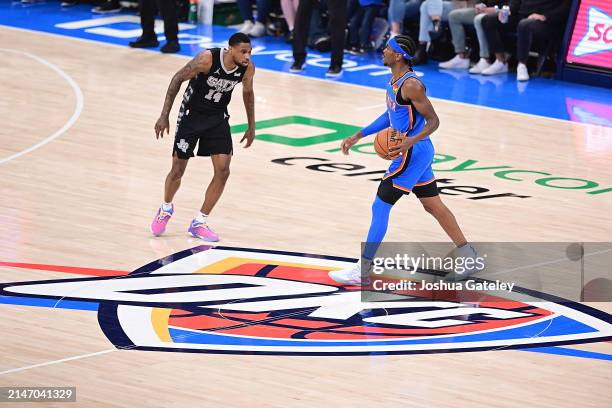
385, 139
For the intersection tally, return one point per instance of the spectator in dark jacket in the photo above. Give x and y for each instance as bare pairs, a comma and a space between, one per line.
539, 20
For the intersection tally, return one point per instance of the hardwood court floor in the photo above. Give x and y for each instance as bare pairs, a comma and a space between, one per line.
87, 197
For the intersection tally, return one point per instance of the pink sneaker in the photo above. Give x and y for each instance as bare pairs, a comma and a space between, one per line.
202, 231
158, 226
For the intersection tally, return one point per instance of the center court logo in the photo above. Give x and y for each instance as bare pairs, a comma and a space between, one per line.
233, 300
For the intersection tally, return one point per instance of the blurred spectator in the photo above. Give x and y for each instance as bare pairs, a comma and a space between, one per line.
289, 8
109, 6
457, 20
318, 34
401, 10
252, 27
337, 27
361, 17
433, 12
540, 20
148, 39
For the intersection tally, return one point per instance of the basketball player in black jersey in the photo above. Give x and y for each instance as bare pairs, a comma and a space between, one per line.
203, 121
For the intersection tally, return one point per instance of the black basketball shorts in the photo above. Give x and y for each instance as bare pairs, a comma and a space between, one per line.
210, 132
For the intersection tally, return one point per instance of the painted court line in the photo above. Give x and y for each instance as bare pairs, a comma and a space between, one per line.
65, 269
75, 115
63, 360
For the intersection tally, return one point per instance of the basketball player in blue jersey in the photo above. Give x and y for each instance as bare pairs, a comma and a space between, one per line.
410, 112
203, 121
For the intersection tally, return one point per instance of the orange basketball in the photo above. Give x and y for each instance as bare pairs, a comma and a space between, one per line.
386, 139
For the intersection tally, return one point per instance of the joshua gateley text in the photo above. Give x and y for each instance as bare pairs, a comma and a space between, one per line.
469, 284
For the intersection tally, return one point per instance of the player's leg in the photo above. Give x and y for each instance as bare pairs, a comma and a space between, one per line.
402, 174
173, 179
221, 166
171, 185
199, 227
427, 193
215, 141
386, 197
183, 147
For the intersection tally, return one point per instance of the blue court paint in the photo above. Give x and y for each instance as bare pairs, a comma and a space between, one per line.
179, 335
50, 303
542, 97
562, 351
560, 325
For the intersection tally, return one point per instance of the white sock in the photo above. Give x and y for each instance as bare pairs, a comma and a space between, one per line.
201, 217
166, 206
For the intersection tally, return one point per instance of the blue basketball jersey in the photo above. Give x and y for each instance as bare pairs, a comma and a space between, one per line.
403, 116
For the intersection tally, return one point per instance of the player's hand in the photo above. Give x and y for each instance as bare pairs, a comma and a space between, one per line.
161, 125
402, 148
350, 142
249, 136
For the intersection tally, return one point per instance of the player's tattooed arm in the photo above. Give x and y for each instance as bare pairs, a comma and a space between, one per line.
200, 63
248, 95
414, 91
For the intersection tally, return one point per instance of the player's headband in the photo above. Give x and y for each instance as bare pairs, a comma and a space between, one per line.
396, 47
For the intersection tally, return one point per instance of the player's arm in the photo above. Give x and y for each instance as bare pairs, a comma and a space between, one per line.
380, 123
248, 96
200, 63
413, 90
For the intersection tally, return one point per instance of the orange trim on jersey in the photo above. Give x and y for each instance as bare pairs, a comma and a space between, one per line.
407, 190
411, 118
400, 168
425, 183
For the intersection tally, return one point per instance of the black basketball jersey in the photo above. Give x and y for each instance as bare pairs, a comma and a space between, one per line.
212, 92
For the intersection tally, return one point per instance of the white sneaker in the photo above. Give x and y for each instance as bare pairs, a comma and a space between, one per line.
477, 265
521, 72
498, 67
455, 63
246, 27
348, 276
480, 66
258, 30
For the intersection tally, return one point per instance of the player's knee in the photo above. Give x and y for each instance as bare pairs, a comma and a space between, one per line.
222, 173
176, 173
436, 209
387, 193
432, 209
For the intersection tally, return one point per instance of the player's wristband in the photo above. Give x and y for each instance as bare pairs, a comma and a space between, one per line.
382, 122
